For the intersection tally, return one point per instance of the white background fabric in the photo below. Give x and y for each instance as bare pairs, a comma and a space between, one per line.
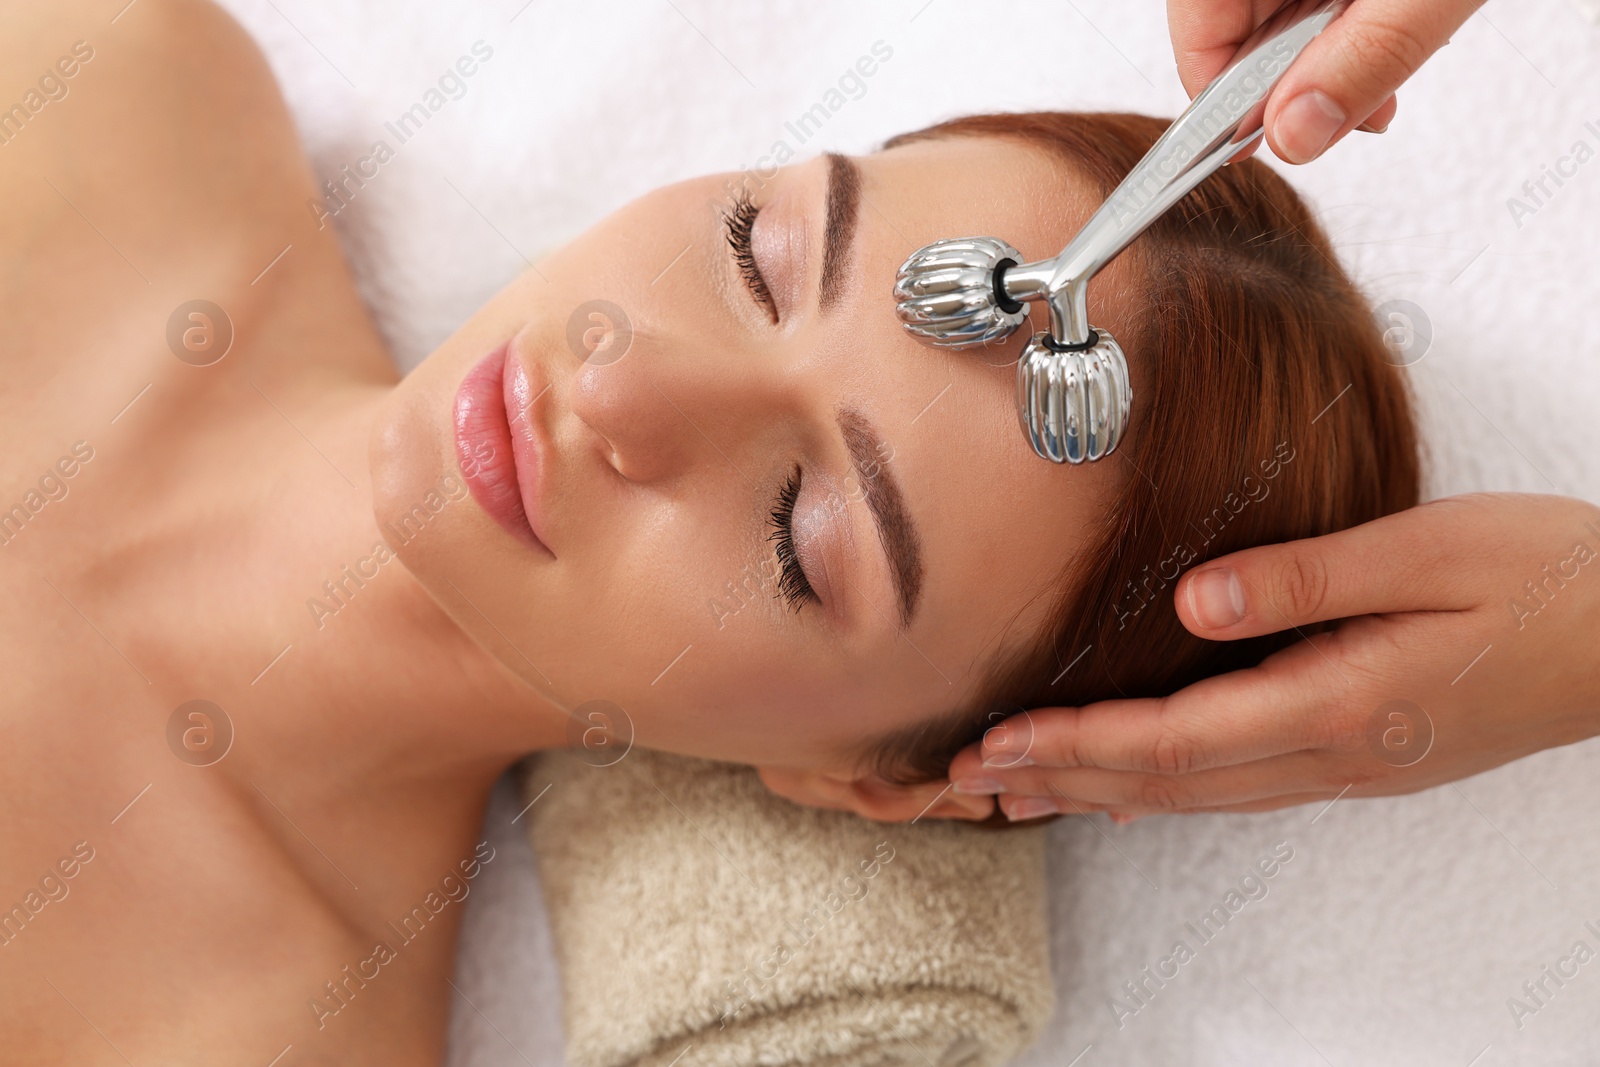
1399, 929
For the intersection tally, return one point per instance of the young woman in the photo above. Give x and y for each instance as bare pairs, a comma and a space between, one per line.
275, 620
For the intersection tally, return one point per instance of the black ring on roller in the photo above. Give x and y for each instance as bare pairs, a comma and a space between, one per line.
1002, 299
1083, 346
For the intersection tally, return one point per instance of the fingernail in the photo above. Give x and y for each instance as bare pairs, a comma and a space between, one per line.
1001, 760
1216, 597
1306, 125
1367, 127
986, 786
1031, 808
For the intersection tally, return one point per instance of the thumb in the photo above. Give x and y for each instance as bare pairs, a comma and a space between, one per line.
1408, 561
1349, 72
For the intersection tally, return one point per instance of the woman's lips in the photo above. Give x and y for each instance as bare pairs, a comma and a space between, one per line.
498, 453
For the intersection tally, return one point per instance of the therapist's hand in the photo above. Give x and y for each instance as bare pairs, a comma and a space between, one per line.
1471, 638
1344, 80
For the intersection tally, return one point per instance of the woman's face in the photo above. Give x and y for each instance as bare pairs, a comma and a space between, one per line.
770, 525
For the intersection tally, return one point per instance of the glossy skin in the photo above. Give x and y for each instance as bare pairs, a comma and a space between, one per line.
181, 560
658, 473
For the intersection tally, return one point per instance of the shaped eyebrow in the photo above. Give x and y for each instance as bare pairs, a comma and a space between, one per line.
896, 532
844, 205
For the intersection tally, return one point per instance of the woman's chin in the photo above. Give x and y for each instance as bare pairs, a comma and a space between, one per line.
425, 511
407, 456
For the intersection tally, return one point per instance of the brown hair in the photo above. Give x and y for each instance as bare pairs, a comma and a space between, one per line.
1269, 413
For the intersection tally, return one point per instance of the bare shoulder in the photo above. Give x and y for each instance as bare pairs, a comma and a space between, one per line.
146, 157
110, 93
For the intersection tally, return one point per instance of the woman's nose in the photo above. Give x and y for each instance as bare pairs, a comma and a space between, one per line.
667, 404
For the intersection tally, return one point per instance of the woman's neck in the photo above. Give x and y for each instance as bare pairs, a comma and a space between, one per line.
349, 691
376, 663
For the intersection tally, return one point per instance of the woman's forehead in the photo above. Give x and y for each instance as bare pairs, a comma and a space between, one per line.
999, 524
965, 185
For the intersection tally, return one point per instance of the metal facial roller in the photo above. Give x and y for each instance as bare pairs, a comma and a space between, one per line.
1073, 393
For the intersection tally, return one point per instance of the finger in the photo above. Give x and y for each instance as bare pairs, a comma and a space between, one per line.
1206, 34
950, 804
1413, 560
1297, 772
1017, 808
1269, 804
955, 806
1349, 70
1283, 705
1379, 120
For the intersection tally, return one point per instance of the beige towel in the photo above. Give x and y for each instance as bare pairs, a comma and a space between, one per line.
701, 921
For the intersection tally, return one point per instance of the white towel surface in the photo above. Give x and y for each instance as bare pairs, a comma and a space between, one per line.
1400, 928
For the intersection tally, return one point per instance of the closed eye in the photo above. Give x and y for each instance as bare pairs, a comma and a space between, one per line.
793, 586
739, 221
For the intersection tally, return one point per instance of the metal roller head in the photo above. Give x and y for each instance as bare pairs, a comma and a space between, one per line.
1073, 404
950, 294
1073, 393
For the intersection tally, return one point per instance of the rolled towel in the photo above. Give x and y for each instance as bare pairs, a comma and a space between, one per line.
700, 920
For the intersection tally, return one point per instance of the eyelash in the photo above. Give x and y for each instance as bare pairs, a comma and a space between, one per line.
793, 585
739, 221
